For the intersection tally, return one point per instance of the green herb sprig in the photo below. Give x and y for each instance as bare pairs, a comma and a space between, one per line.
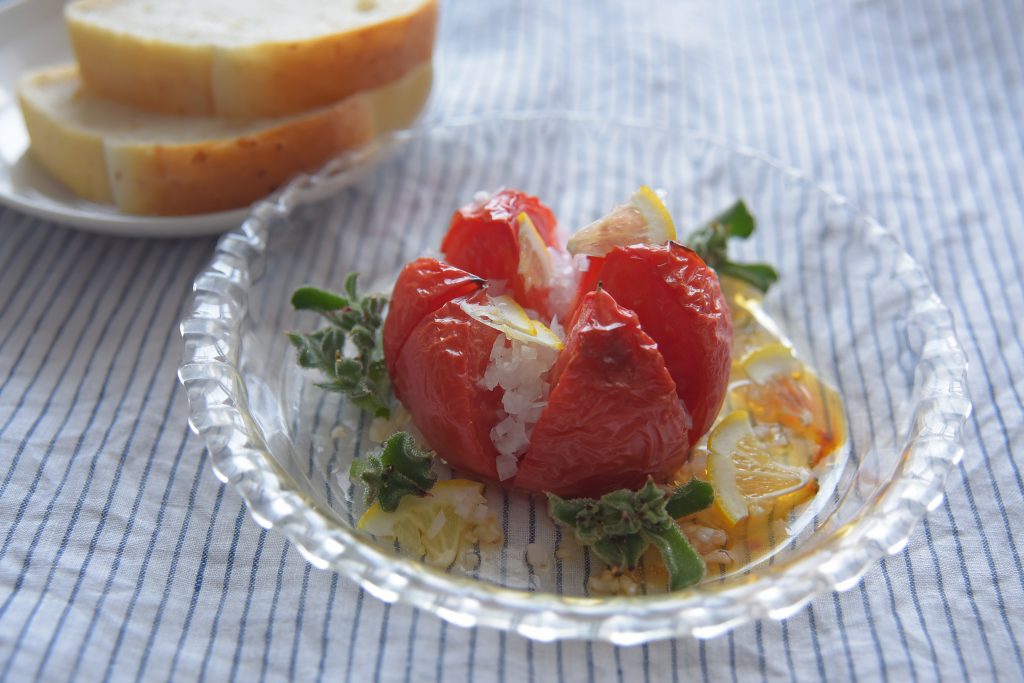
711, 244
397, 470
352, 318
620, 526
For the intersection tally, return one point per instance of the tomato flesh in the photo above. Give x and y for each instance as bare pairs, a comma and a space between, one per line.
613, 417
423, 286
437, 374
680, 305
483, 238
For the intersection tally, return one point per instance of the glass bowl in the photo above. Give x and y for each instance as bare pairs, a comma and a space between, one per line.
854, 304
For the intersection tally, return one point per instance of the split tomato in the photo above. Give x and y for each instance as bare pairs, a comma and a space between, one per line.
423, 286
484, 238
612, 418
680, 305
437, 376
642, 374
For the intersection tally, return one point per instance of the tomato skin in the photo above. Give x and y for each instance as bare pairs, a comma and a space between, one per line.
613, 416
484, 240
436, 376
423, 286
680, 305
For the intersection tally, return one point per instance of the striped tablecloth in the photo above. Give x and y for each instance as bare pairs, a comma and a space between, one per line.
122, 557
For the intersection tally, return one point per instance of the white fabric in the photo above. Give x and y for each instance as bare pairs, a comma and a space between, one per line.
124, 559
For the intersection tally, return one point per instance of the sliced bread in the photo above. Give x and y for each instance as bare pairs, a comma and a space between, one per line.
149, 163
246, 58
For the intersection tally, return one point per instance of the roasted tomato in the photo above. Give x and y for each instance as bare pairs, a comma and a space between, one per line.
423, 286
640, 379
612, 417
483, 238
437, 376
680, 305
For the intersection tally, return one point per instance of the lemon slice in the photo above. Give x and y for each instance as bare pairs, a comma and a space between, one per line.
743, 472
644, 220
783, 391
770, 361
451, 517
505, 315
535, 265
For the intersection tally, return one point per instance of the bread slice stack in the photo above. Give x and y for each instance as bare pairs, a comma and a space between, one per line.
190, 106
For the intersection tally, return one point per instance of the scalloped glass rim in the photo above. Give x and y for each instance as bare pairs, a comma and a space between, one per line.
219, 412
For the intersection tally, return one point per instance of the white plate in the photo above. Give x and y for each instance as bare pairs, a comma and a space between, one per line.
32, 34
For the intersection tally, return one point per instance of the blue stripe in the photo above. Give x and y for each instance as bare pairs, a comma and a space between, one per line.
787, 651
268, 635
759, 641
473, 632
410, 645
896, 616
19, 582
23, 505
803, 210
139, 495
862, 588
910, 573
300, 615
144, 567
945, 603
866, 605
118, 469
382, 642
12, 257
250, 591
813, 629
197, 586
851, 669
173, 568
129, 526
731, 640
34, 295
229, 567
950, 187
57, 335
7, 214
353, 636
1016, 277
442, 641
674, 660
531, 537
899, 621
331, 597
388, 218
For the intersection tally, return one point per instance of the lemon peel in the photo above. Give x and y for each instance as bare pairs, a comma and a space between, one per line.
535, 267
643, 220
505, 315
439, 525
743, 471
